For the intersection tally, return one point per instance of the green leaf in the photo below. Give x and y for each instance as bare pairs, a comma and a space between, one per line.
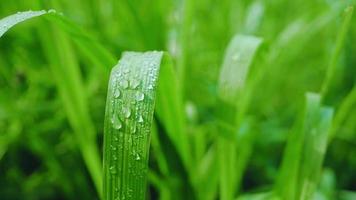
304, 154
66, 72
230, 111
10, 21
235, 68
128, 120
337, 51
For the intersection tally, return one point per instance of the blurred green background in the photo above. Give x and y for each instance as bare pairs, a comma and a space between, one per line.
39, 153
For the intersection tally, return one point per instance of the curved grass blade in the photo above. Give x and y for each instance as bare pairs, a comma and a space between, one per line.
305, 152
66, 71
128, 121
10, 21
233, 75
235, 68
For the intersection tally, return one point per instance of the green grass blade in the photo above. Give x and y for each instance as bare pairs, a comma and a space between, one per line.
170, 106
10, 21
314, 152
345, 108
235, 68
305, 151
337, 51
128, 121
65, 68
208, 173
87, 44
233, 75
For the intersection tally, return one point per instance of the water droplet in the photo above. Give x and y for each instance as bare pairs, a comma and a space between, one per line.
138, 157
51, 11
140, 96
124, 84
127, 112
133, 129
116, 122
126, 70
135, 83
113, 147
140, 119
112, 170
117, 93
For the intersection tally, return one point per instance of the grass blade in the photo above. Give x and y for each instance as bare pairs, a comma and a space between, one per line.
337, 51
233, 75
345, 108
170, 106
128, 122
10, 21
305, 151
65, 69
235, 68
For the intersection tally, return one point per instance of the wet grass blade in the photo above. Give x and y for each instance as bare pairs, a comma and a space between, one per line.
304, 154
10, 21
128, 121
233, 75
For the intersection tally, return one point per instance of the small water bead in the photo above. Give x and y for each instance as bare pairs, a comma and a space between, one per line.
116, 122
138, 157
124, 84
117, 93
133, 129
112, 170
127, 112
140, 96
51, 11
135, 83
113, 147
140, 119
126, 70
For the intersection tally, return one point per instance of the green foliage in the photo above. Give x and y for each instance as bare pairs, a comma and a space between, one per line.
208, 119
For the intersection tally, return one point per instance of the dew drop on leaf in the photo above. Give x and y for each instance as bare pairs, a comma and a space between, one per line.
124, 84
140, 96
140, 119
117, 93
51, 11
137, 156
135, 83
127, 112
112, 170
116, 123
